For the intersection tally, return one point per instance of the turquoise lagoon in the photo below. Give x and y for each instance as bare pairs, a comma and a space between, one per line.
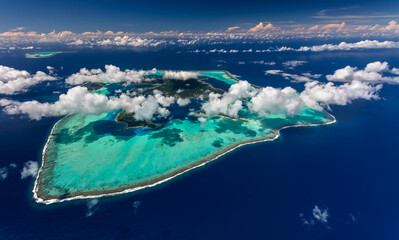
93, 155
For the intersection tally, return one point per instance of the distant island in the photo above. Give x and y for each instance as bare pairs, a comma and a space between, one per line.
44, 54
89, 156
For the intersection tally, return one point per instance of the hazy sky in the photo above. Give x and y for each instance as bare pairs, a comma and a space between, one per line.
204, 15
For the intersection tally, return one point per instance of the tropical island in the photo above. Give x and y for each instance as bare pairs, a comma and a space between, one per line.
89, 156
44, 54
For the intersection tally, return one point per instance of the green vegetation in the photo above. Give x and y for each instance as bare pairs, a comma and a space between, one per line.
93, 86
129, 119
191, 88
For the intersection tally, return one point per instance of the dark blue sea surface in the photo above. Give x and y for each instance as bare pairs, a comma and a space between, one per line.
255, 192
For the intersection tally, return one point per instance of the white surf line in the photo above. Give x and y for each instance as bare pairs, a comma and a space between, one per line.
42, 165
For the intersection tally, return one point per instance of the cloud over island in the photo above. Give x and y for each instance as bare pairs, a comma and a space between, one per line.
263, 101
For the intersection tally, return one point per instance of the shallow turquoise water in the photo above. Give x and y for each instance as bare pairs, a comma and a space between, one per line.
220, 75
42, 54
90, 154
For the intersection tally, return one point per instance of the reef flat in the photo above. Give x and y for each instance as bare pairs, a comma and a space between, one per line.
90, 156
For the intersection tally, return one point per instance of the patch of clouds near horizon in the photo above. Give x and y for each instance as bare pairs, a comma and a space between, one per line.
293, 63
264, 63
392, 26
17, 29
374, 72
344, 46
27, 48
330, 27
261, 27
222, 51
305, 77
231, 29
130, 41
78, 42
151, 39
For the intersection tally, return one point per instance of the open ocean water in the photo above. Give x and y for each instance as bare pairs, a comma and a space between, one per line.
255, 192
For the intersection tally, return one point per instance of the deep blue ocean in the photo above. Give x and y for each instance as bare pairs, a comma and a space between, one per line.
255, 192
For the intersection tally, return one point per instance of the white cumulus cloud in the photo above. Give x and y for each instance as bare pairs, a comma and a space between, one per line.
317, 94
261, 27
13, 81
305, 77
395, 71
228, 103
275, 100
130, 41
3, 173
263, 101
264, 63
293, 63
29, 170
269, 100
180, 75
373, 73
80, 100
183, 102
232, 29
344, 46
112, 74
91, 207
320, 215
